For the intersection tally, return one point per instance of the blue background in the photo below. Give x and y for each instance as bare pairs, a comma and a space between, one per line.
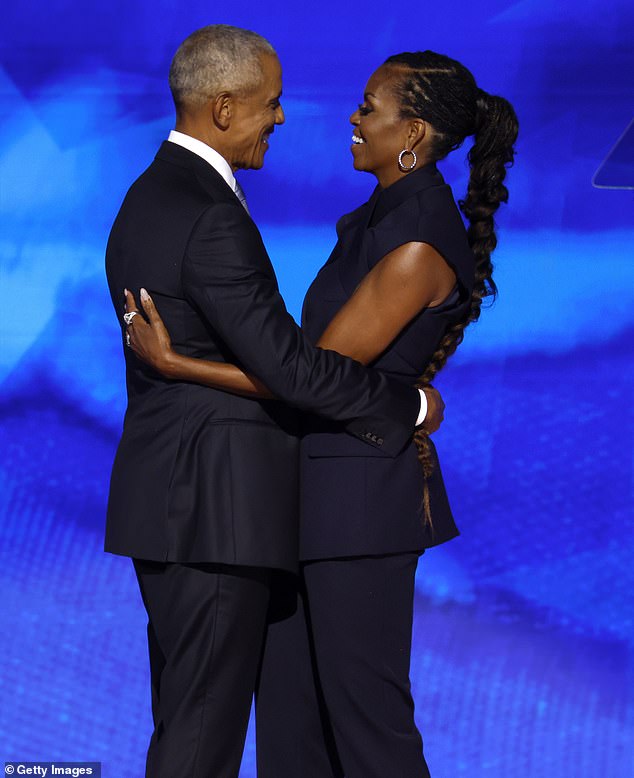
523, 660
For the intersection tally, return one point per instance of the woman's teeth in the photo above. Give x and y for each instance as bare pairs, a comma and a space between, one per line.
357, 139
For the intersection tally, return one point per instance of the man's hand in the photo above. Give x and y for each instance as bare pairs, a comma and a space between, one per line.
435, 410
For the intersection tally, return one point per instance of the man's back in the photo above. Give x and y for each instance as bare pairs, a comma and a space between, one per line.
200, 475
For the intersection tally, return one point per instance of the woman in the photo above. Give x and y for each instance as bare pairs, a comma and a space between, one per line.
401, 285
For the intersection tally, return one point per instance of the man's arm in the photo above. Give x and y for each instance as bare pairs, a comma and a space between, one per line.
227, 275
151, 342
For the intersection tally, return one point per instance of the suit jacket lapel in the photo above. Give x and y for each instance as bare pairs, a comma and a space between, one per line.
352, 228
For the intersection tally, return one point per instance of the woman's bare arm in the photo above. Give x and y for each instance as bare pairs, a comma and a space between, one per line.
412, 277
151, 343
405, 281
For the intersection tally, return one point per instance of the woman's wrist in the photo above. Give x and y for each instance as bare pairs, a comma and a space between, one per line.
171, 365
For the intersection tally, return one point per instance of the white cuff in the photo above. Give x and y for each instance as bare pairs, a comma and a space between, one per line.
423, 408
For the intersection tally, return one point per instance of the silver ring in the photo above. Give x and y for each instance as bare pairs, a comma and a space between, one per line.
127, 317
127, 338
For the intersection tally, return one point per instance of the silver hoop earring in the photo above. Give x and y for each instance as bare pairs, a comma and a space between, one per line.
400, 160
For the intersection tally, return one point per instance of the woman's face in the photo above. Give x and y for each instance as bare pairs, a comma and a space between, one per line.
380, 133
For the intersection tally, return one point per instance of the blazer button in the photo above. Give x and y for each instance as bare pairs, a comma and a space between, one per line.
379, 441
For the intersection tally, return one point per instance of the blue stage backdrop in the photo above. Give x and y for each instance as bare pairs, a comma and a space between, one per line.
523, 634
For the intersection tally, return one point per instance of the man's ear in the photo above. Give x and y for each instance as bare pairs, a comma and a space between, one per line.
222, 110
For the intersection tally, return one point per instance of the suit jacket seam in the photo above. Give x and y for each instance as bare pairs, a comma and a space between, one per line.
185, 257
233, 525
173, 470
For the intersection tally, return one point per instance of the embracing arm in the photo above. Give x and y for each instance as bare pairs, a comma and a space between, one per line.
405, 281
151, 343
412, 277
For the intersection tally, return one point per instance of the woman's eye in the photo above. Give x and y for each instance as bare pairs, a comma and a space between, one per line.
364, 109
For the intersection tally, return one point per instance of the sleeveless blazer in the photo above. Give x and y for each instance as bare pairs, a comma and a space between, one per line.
357, 500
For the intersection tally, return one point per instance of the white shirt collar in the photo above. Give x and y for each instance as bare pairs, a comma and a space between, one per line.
211, 156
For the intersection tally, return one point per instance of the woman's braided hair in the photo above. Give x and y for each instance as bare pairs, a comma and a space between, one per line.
444, 93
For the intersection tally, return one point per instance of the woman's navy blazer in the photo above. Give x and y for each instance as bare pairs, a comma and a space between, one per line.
357, 500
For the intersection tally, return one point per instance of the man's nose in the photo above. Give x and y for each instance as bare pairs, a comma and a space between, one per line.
279, 115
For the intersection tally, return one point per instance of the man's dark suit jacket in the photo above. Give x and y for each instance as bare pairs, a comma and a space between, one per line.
202, 475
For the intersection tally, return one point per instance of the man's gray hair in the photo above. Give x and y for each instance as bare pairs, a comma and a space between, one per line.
218, 58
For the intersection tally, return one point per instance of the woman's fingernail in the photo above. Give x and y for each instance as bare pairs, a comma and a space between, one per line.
125, 292
144, 295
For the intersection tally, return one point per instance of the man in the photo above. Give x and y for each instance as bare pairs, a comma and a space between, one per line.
204, 484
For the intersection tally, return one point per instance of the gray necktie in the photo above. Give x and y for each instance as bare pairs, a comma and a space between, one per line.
241, 197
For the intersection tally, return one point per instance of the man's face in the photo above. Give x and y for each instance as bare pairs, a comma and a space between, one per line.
255, 117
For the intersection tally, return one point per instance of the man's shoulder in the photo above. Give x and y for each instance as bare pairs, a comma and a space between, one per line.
165, 186
176, 166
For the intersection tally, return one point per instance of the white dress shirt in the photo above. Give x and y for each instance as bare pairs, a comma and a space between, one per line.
220, 165
211, 156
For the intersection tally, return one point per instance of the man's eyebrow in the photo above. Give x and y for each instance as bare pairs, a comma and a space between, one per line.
368, 94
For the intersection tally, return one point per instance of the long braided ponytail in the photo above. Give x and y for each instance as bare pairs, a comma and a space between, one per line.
444, 93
